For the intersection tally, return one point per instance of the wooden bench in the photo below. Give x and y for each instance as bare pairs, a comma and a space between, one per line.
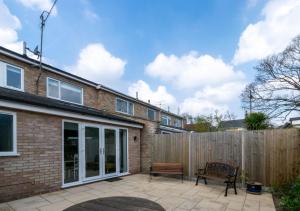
218, 170
167, 168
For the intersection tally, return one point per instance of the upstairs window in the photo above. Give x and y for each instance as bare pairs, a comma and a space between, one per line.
178, 123
151, 114
63, 91
11, 76
8, 145
165, 120
124, 106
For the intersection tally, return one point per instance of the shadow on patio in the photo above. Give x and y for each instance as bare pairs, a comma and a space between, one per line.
168, 192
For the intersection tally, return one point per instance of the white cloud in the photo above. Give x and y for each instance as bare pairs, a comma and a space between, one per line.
39, 5
159, 97
270, 35
97, 64
90, 15
192, 70
211, 98
9, 24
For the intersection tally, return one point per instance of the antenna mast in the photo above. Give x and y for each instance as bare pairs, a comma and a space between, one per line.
43, 17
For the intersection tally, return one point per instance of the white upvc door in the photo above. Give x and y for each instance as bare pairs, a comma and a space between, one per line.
92, 152
92, 167
110, 137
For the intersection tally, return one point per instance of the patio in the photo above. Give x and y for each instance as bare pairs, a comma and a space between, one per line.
169, 193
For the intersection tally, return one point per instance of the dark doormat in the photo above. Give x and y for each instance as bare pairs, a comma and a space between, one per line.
113, 179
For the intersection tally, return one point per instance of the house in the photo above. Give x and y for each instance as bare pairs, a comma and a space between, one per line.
230, 125
59, 130
295, 122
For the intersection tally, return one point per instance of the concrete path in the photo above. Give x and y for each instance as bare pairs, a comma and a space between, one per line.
169, 193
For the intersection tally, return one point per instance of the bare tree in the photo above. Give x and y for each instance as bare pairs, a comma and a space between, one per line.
276, 89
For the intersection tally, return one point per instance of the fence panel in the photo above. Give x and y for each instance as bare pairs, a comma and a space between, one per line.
268, 156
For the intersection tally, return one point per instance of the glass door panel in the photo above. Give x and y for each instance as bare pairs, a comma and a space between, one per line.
71, 152
123, 150
92, 167
110, 151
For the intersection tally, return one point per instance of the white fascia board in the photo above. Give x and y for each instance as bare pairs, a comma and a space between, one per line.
38, 109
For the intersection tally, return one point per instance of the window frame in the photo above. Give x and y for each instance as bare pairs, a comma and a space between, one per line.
178, 121
149, 109
3, 82
168, 120
127, 102
14, 151
59, 91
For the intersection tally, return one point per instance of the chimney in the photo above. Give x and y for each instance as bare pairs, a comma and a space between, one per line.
168, 108
24, 48
137, 95
149, 101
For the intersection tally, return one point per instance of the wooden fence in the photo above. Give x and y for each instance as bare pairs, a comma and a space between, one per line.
267, 156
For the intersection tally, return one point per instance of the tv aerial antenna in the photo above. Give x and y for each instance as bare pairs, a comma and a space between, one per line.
43, 17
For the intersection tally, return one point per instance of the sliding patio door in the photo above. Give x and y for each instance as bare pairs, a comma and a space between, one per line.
92, 152
71, 152
110, 151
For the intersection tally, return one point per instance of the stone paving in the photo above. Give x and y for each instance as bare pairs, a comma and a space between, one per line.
169, 193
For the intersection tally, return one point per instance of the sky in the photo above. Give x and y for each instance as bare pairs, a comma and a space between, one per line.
189, 56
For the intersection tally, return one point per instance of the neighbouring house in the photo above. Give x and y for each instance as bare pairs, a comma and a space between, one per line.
59, 130
295, 122
230, 125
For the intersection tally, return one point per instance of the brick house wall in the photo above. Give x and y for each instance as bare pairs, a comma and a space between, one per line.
99, 99
38, 168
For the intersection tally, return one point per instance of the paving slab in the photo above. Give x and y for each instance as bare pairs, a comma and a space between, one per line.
170, 193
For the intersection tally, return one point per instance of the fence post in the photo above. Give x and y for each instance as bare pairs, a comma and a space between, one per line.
243, 159
190, 156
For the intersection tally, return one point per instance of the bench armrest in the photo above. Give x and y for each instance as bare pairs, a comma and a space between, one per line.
200, 172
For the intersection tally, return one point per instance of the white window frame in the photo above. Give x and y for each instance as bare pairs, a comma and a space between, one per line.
127, 102
3, 76
179, 121
168, 119
14, 151
59, 91
149, 109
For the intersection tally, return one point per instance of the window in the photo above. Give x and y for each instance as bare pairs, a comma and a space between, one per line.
165, 120
11, 77
8, 145
178, 123
124, 106
53, 88
151, 114
64, 91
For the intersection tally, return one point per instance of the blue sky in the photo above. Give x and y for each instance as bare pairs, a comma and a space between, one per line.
193, 55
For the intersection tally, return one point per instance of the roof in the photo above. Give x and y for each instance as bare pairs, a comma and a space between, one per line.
172, 128
25, 58
23, 97
294, 119
237, 123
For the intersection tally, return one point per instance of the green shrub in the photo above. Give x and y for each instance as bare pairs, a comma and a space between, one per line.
257, 121
290, 196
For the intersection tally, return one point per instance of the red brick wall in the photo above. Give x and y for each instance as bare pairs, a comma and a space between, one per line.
38, 169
